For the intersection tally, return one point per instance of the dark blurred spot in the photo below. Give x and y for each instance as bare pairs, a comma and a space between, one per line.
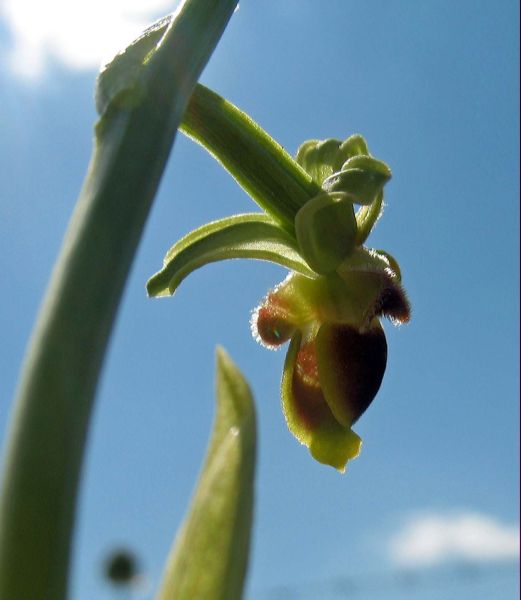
121, 567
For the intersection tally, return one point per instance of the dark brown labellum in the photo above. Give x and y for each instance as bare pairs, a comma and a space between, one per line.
351, 367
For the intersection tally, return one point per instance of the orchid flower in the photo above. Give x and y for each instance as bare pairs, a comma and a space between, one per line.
318, 212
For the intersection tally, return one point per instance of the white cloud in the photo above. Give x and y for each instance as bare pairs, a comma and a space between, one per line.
80, 35
429, 539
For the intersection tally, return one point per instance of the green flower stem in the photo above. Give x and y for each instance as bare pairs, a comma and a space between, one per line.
51, 415
261, 166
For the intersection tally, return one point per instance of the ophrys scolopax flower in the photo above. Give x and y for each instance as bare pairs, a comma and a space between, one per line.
330, 305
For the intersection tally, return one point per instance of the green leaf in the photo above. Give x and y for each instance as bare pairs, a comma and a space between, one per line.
241, 236
210, 555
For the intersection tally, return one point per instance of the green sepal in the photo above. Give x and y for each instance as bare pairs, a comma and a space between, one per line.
210, 556
241, 236
322, 158
310, 419
326, 231
361, 177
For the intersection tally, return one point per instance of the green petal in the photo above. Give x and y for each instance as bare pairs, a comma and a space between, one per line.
308, 416
351, 366
241, 236
326, 231
367, 216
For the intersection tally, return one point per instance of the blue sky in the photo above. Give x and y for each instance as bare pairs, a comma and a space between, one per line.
434, 88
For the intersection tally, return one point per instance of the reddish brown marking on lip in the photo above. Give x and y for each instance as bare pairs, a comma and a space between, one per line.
306, 365
272, 325
309, 400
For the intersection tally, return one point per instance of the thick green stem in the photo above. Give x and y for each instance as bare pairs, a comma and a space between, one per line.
261, 166
51, 415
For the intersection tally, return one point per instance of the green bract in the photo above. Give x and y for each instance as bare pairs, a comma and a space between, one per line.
329, 307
